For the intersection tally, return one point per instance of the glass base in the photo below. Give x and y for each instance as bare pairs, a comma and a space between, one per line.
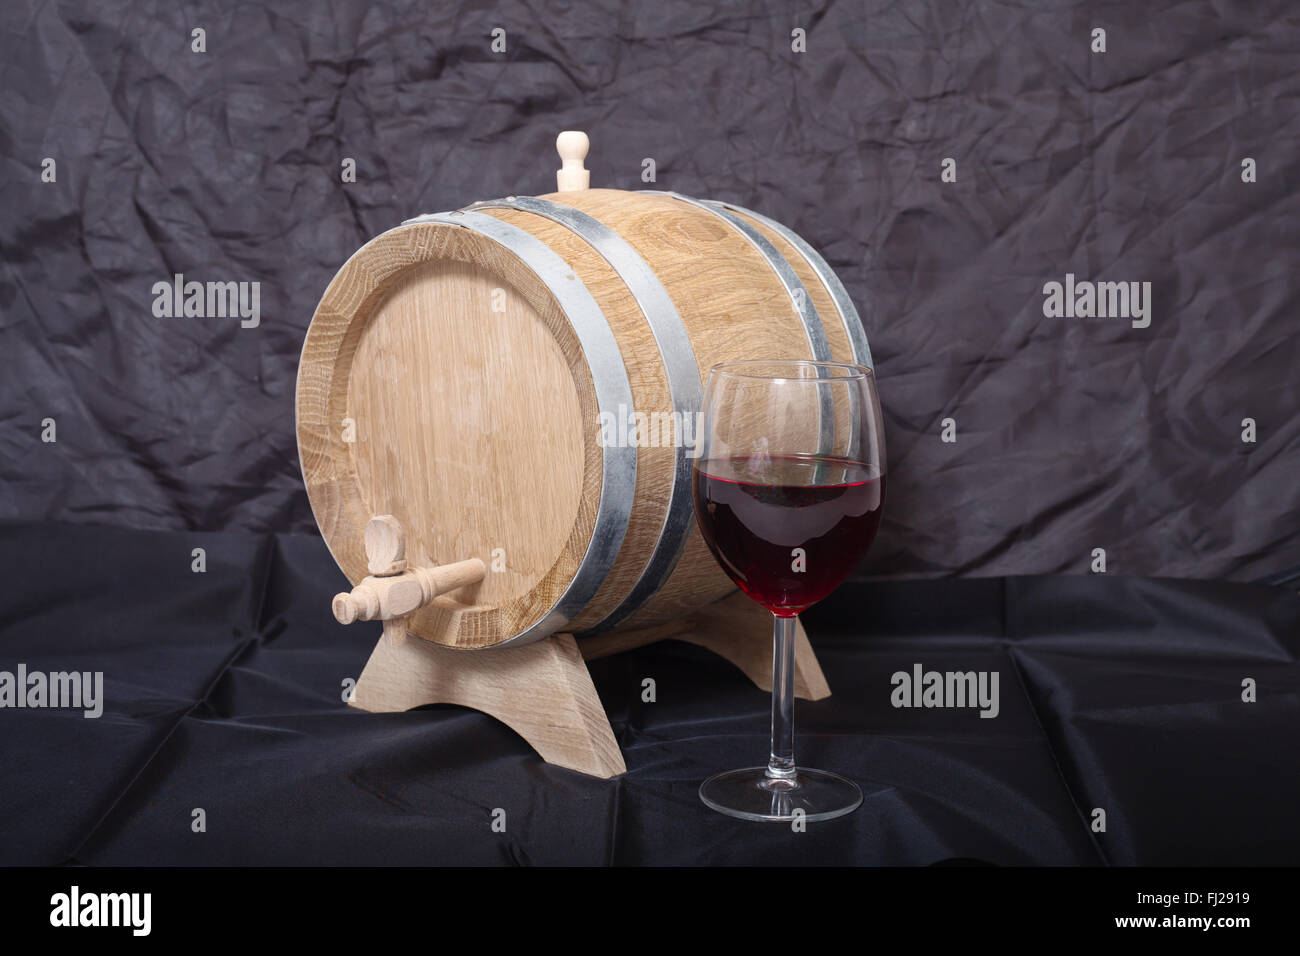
751, 794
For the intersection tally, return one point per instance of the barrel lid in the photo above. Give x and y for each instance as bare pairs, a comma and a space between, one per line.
453, 376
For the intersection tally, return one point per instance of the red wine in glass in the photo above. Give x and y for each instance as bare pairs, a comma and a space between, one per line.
788, 528
789, 488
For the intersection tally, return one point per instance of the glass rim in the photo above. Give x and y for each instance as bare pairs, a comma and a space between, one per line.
847, 371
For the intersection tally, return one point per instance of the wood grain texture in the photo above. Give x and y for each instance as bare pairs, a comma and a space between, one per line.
836, 334
385, 542
475, 423
649, 380
475, 413
542, 691
384, 597
732, 305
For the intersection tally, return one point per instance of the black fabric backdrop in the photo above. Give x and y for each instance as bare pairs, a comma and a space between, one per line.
1072, 434
1115, 692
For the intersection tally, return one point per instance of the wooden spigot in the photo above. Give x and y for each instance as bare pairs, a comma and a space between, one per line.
572, 145
394, 590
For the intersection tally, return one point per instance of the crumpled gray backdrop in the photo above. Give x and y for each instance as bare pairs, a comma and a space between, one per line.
1072, 434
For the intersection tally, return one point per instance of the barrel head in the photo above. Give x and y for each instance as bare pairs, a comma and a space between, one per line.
442, 383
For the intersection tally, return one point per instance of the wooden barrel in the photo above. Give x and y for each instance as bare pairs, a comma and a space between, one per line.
475, 373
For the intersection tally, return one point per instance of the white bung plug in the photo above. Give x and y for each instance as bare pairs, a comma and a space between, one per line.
572, 145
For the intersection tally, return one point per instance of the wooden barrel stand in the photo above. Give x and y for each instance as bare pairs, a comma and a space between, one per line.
457, 390
542, 691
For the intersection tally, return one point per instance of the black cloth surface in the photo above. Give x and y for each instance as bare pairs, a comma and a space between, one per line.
1072, 434
224, 692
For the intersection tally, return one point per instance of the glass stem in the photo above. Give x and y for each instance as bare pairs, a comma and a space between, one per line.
781, 764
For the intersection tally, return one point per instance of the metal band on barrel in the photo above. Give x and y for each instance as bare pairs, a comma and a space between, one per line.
803, 304
609, 376
680, 365
839, 295
812, 323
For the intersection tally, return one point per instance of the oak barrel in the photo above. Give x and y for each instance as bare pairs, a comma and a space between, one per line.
476, 375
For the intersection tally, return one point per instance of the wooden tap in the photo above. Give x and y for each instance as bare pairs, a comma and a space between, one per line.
394, 590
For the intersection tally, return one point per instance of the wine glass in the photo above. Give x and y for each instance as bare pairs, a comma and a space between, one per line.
789, 485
